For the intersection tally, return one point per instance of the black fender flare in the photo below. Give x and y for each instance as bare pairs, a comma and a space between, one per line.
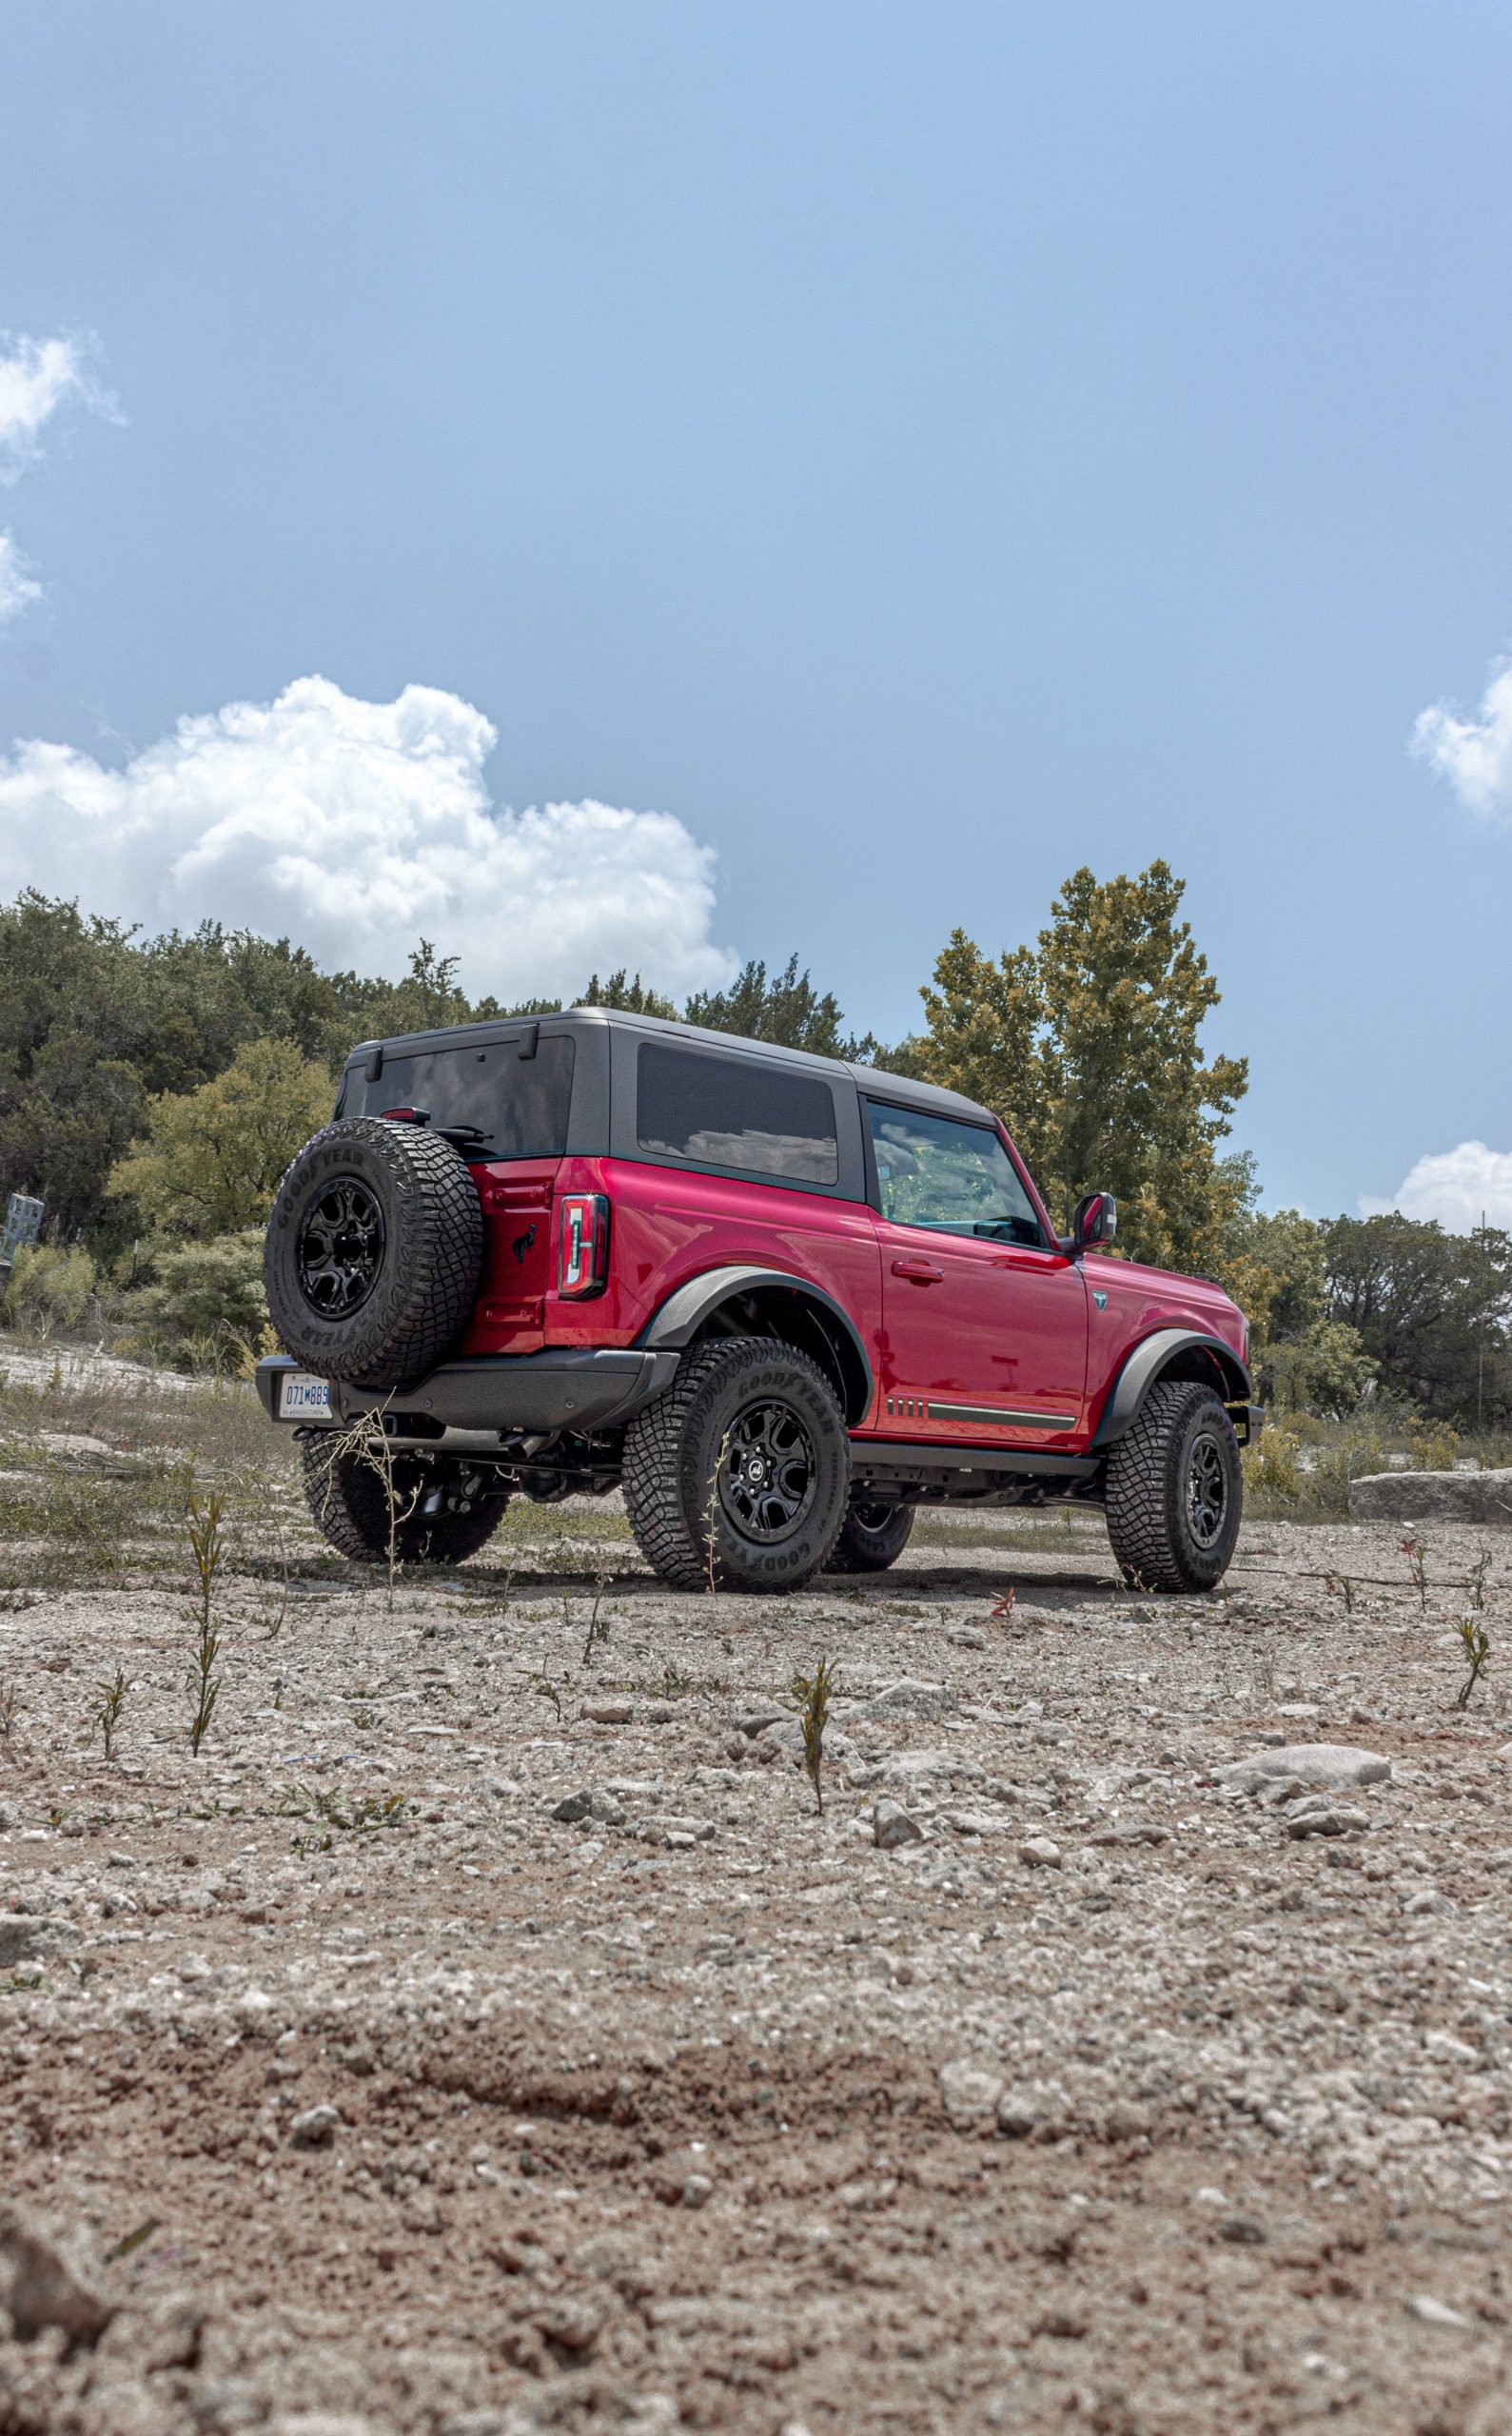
684, 1312
1143, 1365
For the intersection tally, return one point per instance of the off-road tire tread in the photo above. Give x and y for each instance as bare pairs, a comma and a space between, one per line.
354, 1522
1138, 1487
439, 1286
851, 1554
651, 1466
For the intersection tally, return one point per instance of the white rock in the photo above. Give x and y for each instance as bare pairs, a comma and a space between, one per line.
25, 1939
1429, 2311
892, 1825
1039, 1852
907, 1697
1329, 1765
969, 2093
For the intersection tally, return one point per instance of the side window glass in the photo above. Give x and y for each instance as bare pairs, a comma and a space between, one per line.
956, 1178
735, 1113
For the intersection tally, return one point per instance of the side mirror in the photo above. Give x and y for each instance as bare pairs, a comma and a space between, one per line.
1095, 1222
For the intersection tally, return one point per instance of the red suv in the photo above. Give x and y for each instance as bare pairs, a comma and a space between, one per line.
779, 1302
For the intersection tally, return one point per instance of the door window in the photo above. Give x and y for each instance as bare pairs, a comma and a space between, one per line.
957, 1179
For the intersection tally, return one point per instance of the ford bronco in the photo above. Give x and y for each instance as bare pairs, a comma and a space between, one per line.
779, 1302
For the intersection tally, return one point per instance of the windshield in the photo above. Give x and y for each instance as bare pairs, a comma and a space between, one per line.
510, 1107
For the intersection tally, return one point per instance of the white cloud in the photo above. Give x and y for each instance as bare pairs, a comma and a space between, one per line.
1475, 754
36, 375
1455, 1187
16, 587
356, 827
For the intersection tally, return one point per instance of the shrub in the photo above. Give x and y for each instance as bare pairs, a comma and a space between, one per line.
206, 1309
49, 1290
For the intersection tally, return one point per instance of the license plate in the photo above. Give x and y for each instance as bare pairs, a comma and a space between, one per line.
302, 1397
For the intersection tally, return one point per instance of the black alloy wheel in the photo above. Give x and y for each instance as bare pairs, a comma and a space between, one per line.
768, 1476
871, 1538
1206, 1490
737, 1476
340, 1249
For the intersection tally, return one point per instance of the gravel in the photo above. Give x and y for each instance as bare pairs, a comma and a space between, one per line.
570, 2070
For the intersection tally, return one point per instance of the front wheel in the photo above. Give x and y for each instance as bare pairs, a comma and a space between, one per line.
1175, 1491
871, 1538
349, 1493
737, 1477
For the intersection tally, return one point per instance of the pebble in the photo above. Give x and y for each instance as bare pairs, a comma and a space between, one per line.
892, 1825
1428, 1901
316, 2127
1326, 1820
1429, 2311
1140, 1832
591, 1802
907, 1697
25, 1939
609, 1712
751, 1719
969, 2093
1018, 2112
1039, 1852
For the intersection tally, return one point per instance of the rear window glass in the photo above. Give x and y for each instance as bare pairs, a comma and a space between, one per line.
733, 1113
518, 1106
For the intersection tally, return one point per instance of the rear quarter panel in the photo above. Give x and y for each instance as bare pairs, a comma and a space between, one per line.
670, 1225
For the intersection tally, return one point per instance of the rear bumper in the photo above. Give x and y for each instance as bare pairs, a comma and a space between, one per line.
560, 1388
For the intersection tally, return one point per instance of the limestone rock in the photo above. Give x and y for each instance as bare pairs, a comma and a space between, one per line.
1327, 1766
25, 1939
969, 2093
891, 1826
1432, 1497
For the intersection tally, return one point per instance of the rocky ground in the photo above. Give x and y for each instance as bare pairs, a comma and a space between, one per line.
486, 2033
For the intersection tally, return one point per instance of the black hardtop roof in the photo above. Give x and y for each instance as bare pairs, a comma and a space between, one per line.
877, 1082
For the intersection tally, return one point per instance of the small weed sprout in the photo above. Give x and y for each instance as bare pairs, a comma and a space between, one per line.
108, 1710
811, 1695
205, 1524
1002, 1613
9, 1710
1417, 1558
1477, 1582
711, 1505
1345, 1587
544, 1689
1477, 1655
597, 1625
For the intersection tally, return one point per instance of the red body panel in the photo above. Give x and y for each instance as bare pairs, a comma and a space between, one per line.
1015, 1337
998, 1331
519, 1261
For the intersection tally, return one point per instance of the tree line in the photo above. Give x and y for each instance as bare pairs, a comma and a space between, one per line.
151, 1091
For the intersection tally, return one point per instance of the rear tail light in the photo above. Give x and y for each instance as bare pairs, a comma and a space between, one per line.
582, 1265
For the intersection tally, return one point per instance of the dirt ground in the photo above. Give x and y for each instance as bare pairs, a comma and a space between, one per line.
1111, 2101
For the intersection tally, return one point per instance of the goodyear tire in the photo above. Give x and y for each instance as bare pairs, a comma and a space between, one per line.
373, 1252
1175, 1491
743, 1468
871, 1538
347, 1494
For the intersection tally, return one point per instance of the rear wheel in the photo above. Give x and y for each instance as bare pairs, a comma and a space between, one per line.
435, 1521
1175, 1491
741, 1468
871, 1538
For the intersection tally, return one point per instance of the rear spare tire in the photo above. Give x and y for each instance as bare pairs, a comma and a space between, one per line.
373, 1252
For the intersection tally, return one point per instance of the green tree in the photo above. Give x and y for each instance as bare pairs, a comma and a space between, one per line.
210, 1159
1274, 1264
1087, 1044
1432, 1311
619, 990
785, 1009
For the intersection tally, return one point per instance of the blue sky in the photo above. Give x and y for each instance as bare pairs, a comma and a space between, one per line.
914, 451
